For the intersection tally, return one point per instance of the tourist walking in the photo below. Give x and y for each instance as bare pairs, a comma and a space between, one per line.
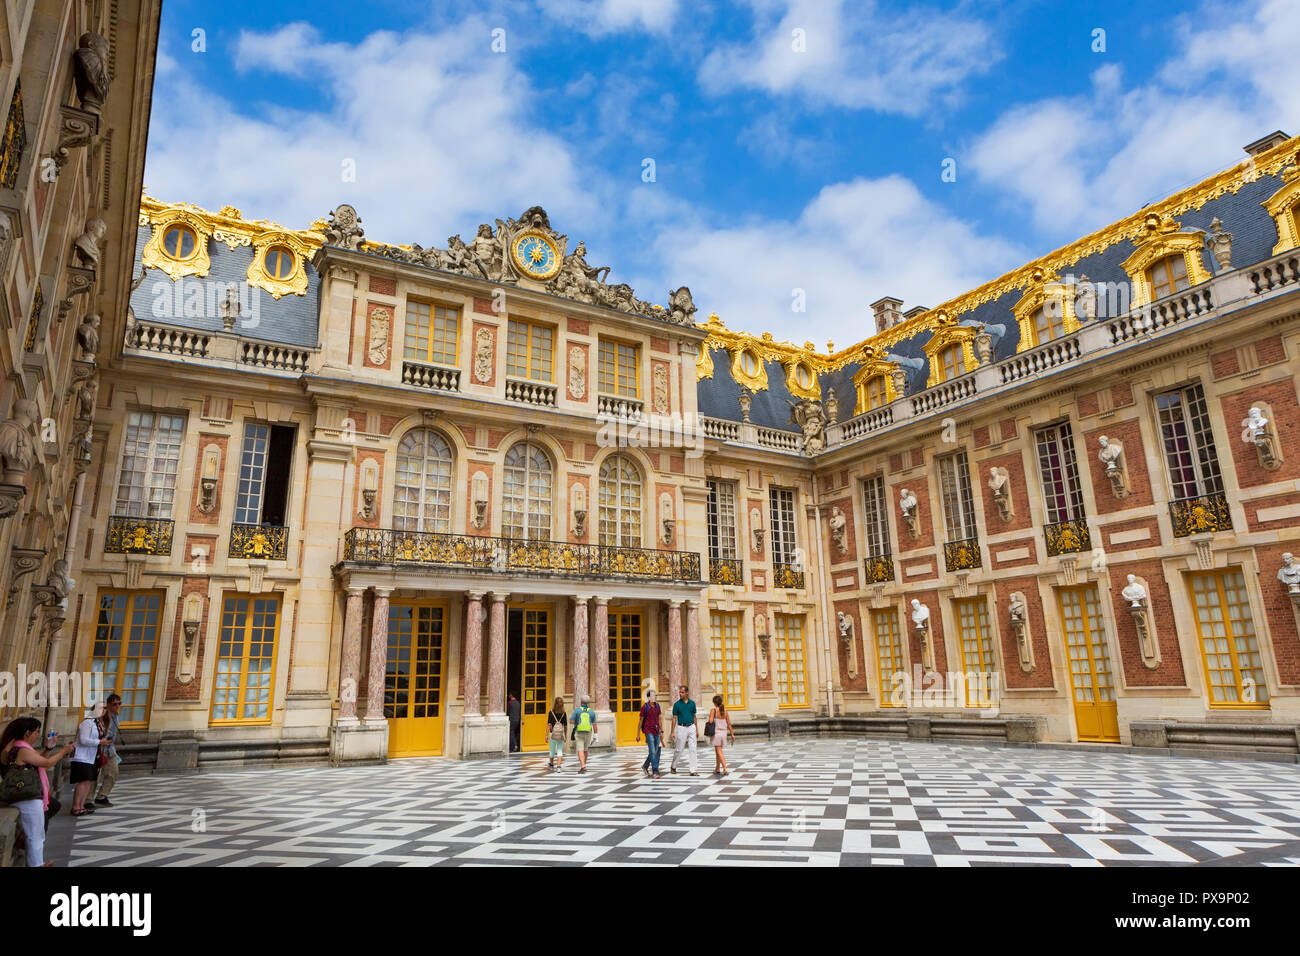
648, 724
684, 730
25, 777
584, 731
108, 772
514, 715
557, 732
720, 724
86, 760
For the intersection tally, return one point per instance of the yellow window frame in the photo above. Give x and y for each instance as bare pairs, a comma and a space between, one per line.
889, 652
975, 637
532, 353
124, 644
611, 366
1220, 593
240, 700
724, 626
427, 332
784, 632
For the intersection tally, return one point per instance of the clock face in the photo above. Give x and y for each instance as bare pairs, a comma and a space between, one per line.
535, 255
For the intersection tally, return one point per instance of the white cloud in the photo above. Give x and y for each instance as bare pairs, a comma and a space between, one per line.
854, 55
598, 18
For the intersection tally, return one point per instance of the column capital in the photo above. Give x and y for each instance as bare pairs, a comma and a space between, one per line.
355, 590
383, 592
601, 599
581, 598
500, 597
674, 602
692, 604
475, 595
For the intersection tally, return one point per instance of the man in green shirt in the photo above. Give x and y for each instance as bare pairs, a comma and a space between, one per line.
684, 729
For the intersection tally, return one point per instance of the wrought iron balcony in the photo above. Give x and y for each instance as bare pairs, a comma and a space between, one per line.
726, 571
878, 570
268, 542
386, 546
1067, 537
129, 535
1203, 514
786, 575
962, 555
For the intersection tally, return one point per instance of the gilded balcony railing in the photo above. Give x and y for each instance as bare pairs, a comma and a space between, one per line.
878, 570
786, 575
726, 571
266, 541
962, 555
1067, 537
128, 535
1203, 514
506, 555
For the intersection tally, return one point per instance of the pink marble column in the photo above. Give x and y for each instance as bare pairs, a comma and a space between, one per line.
675, 648
579, 648
351, 666
472, 659
600, 651
497, 656
693, 646
378, 656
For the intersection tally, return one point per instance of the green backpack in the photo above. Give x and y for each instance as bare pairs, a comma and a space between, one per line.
584, 720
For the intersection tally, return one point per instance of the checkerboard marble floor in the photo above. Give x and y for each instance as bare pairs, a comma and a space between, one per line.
793, 802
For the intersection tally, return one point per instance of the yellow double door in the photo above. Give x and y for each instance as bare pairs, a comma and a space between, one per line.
413, 680
1096, 716
626, 666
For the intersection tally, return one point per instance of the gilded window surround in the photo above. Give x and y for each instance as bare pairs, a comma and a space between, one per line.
1047, 286
296, 282
946, 333
792, 366
873, 366
1162, 238
154, 256
1284, 207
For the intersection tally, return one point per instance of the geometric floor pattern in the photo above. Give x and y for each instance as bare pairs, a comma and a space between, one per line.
802, 802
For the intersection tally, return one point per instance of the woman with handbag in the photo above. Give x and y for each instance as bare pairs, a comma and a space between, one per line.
25, 785
87, 759
718, 727
557, 731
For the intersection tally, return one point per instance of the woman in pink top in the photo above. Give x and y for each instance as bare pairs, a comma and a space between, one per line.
17, 749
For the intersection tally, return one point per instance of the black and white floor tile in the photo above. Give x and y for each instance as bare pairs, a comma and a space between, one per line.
795, 802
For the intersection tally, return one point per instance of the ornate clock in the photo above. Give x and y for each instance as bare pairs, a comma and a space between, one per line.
535, 255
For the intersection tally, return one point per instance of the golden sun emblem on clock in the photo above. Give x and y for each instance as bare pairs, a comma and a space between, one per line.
535, 255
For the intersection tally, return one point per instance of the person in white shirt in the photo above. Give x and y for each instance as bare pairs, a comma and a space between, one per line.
83, 769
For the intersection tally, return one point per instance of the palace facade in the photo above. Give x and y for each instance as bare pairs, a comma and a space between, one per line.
344, 497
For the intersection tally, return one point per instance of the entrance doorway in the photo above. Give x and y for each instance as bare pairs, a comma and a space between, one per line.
413, 678
1096, 715
626, 644
528, 669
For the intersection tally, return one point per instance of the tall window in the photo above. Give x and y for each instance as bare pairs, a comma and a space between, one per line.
126, 643
1168, 276
264, 468
1189, 443
791, 679
976, 651
958, 506
620, 503
530, 351
876, 509
952, 361
1059, 473
781, 528
889, 652
618, 368
527, 493
432, 333
1049, 322
722, 519
245, 659
1233, 666
872, 393
151, 453
725, 657
422, 487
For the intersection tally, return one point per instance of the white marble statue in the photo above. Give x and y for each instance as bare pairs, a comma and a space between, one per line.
907, 502
1110, 453
1254, 425
920, 615
1134, 593
1289, 573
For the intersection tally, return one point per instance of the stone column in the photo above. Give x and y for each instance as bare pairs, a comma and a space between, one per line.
378, 656
351, 669
675, 648
693, 646
472, 659
497, 656
579, 648
600, 648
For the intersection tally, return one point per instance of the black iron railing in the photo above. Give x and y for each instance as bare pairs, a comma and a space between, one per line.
505, 555
267, 541
1067, 537
726, 571
1203, 514
786, 575
878, 570
962, 555
128, 535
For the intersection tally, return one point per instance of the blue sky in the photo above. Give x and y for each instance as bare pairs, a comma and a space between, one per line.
781, 174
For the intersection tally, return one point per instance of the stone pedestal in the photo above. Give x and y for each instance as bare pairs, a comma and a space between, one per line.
1026, 729
177, 750
485, 736
355, 742
1149, 733
607, 728
918, 728
777, 727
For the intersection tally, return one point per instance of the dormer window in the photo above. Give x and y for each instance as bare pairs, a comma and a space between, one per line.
951, 349
871, 393
1167, 260
952, 362
279, 263
1168, 276
180, 242
1046, 310
1284, 207
1049, 323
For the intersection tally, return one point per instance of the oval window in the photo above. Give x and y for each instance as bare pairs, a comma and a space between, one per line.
803, 375
180, 242
749, 363
279, 262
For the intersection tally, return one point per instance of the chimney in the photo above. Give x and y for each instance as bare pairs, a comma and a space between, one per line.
915, 311
887, 315
1265, 143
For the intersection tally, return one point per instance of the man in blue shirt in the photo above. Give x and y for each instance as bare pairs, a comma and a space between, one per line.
684, 729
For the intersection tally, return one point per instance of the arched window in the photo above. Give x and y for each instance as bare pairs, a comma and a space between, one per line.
526, 496
422, 492
620, 503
